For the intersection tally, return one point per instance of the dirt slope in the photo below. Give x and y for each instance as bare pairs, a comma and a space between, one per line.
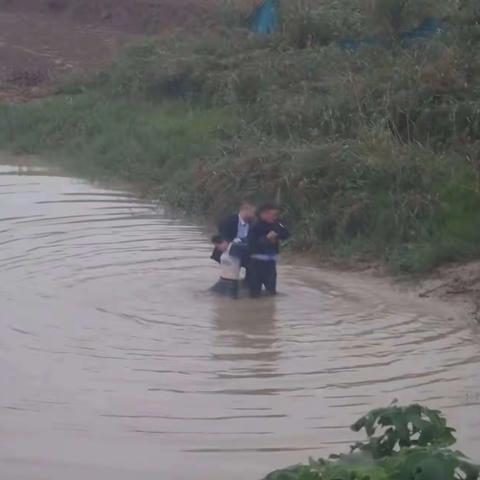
458, 285
41, 40
128, 15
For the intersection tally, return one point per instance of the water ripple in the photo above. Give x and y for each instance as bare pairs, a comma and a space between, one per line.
111, 343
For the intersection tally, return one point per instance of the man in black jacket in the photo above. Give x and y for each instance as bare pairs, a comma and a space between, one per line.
235, 228
264, 246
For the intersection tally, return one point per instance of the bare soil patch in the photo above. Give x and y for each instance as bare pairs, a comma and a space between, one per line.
458, 285
42, 40
136, 16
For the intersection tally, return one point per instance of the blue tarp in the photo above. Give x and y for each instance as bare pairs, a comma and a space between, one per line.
265, 17
427, 29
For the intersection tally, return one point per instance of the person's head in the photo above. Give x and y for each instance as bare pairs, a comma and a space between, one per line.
220, 243
269, 212
247, 211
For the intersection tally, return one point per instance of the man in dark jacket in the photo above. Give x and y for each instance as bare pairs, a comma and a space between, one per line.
264, 246
235, 228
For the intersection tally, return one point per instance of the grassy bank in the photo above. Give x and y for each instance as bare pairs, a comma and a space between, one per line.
374, 153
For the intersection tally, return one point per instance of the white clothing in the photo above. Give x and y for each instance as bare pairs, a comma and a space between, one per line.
229, 266
243, 229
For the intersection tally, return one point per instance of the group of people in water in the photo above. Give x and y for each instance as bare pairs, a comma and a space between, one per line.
249, 241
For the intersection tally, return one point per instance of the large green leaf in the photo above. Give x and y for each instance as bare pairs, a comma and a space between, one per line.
395, 427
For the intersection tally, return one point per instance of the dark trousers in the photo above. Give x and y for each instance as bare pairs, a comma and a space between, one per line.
262, 273
226, 288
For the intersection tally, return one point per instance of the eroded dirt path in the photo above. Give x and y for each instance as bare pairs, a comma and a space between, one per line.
35, 49
40, 40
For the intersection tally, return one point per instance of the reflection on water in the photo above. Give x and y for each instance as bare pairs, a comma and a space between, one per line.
246, 333
115, 361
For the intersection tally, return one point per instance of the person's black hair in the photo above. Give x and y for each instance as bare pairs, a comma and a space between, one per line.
266, 207
216, 239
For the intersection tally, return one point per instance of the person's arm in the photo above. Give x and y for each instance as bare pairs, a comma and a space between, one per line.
264, 238
252, 239
282, 231
237, 250
258, 240
216, 254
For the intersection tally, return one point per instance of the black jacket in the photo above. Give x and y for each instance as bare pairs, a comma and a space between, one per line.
228, 228
258, 242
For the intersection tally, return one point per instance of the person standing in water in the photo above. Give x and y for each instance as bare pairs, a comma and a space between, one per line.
230, 263
264, 246
235, 228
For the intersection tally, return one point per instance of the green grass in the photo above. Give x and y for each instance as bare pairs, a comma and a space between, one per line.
373, 155
117, 139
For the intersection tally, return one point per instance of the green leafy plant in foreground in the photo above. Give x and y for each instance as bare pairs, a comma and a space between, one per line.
403, 443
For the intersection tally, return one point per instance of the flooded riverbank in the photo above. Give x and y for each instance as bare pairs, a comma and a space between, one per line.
114, 361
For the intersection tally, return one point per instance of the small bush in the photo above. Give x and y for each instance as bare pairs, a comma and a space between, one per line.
403, 443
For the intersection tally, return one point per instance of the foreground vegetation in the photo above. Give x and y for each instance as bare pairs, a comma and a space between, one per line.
404, 443
374, 153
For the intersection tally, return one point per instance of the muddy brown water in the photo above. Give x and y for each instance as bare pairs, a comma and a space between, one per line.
115, 363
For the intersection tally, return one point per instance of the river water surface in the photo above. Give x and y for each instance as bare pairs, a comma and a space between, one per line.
115, 364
